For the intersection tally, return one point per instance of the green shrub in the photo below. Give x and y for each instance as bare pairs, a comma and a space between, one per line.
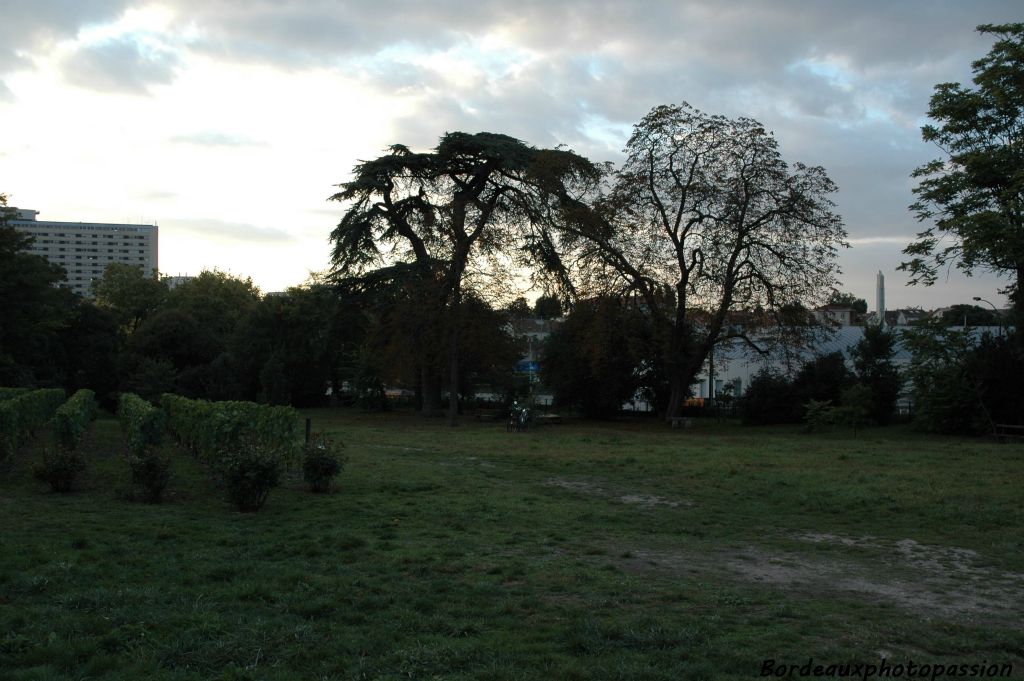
819, 414
206, 429
11, 393
248, 471
151, 472
321, 462
60, 468
141, 423
22, 415
854, 410
72, 419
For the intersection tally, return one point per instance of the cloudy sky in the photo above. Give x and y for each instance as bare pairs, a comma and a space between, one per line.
227, 122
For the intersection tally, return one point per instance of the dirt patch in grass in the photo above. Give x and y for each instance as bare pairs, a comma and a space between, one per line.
630, 498
933, 582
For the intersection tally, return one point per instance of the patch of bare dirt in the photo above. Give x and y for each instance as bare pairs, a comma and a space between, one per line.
633, 499
931, 581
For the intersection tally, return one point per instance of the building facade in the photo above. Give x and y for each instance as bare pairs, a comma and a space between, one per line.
84, 249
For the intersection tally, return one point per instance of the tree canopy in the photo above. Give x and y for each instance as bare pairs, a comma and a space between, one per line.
974, 193
475, 199
711, 229
34, 309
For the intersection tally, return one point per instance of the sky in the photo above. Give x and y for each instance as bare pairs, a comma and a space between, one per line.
228, 123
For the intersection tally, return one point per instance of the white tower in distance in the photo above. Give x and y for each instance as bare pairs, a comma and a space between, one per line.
880, 298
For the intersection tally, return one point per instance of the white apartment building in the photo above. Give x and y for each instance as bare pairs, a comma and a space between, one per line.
84, 249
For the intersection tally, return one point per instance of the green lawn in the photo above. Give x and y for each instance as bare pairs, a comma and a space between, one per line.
576, 551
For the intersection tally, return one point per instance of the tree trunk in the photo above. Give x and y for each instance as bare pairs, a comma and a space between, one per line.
677, 394
430, 389
453, 363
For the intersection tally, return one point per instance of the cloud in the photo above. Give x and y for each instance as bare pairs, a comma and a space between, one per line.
158, 196
213, 138
901, 240
121, 65
842, 84
219, 230
31, 28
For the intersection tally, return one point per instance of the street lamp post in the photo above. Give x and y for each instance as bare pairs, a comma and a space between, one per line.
999, 317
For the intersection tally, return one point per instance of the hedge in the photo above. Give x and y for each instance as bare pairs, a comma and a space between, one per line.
141, 423
10, 393
72, 419
207, 429
24, 414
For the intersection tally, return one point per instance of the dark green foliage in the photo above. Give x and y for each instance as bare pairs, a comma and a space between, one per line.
859, 305
170, 346
9, 393
185, 344
147, 377
997, 366
208, 429
973, 192
488, 349
22, 415
594, 360
872, 361
769, 398
822, 378
819, 414
946, 392
970, 315
129, 294
150, 473
963, 384
60, 468
71, 420
473, 197
856, 406
33, 310
854, 410
322, 461
141, 423
274, 382
249, 470
547, 307
772, 398
90, 345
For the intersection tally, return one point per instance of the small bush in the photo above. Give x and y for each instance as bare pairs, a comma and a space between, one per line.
22, 414
151, 471
71, 420
819, 414
141, 423
248, 471
321, 462
60, 468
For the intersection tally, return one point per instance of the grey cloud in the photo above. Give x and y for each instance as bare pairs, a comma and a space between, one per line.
228, 231
121, 65
33, 26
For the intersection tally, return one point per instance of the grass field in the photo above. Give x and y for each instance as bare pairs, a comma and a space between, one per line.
577, 551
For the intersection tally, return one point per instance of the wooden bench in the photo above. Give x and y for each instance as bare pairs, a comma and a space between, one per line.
547, 419
681, 422
1005, 432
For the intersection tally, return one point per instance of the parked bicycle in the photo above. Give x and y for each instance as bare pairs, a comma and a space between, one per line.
519, 419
